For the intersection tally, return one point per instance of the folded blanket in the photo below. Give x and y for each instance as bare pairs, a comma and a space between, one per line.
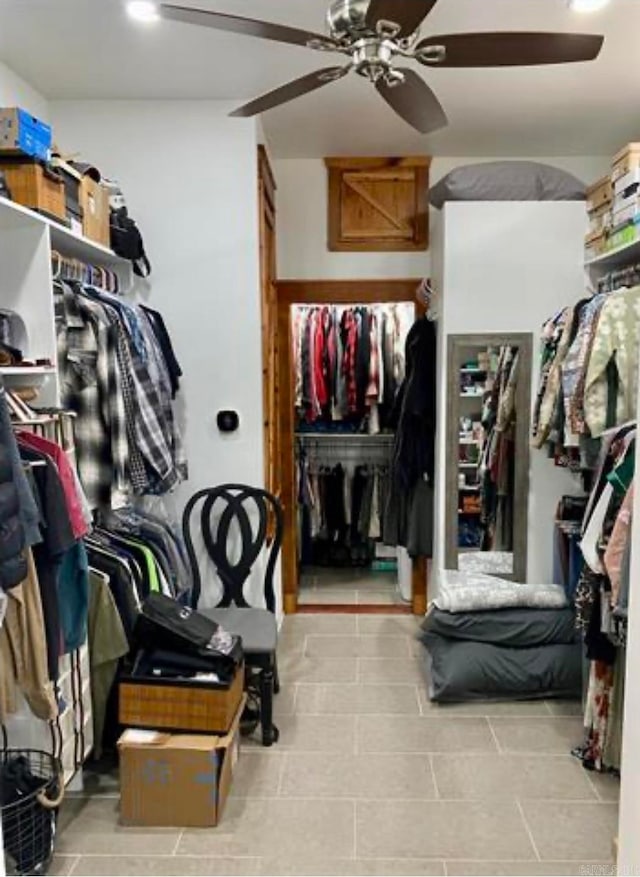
515, 628
461, 671
472, 592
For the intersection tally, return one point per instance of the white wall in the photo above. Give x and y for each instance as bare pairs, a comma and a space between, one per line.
189, 177
16, 92
302, 222
508, 267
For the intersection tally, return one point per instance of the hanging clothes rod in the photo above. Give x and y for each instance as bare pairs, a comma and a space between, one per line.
350, 438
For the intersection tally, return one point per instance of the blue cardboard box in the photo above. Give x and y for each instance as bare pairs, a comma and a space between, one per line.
23, 134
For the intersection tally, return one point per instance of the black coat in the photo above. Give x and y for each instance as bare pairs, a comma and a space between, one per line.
13, 565
414, 452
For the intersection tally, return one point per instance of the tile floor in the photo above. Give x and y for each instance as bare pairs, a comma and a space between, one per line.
371, 778
321, 585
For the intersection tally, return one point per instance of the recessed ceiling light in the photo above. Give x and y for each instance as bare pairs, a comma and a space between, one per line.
588, 5
143, 10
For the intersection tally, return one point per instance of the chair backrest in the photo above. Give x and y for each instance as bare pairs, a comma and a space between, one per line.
221, 507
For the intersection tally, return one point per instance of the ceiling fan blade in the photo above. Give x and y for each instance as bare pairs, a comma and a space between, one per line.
292, 90
415, 102
509, 49
251, 27
407, 13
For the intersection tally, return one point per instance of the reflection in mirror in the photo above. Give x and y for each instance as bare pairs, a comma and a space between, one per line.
486, 459
488, 422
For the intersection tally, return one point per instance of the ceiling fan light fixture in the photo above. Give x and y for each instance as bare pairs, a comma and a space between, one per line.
588, 5
144, 11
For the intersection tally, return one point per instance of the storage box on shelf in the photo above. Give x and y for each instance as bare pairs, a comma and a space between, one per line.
626, 161
600, 194
23, 134
94, 200
35, 185
72, 180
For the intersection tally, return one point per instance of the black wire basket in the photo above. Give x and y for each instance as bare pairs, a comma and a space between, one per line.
31, 791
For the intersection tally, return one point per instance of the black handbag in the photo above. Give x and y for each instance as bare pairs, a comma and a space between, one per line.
126, 241
166, 624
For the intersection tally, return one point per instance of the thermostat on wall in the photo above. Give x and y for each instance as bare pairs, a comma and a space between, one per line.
228, 421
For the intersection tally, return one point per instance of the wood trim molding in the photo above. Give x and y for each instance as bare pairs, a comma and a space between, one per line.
347, 291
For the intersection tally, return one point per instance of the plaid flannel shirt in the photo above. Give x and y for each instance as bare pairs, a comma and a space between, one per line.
91, 386
159, 380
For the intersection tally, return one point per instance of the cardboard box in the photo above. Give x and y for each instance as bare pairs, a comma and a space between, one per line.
628, 181
625, 161
180, 705
94, 200
600, 219
176, 780
594, 245
600, 193
23, 134
35, 186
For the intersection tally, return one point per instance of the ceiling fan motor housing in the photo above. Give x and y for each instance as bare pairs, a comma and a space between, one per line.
348, 17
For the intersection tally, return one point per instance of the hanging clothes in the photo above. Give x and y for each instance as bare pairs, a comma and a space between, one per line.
119, 375
589, 366
602, 596
409, 508
348, 364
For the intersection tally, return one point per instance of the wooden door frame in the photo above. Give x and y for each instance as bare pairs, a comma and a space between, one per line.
318, 292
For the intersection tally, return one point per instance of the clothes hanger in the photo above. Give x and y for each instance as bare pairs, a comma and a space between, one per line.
426, 295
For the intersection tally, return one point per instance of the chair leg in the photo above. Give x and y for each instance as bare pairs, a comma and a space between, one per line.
269, 731
276, 676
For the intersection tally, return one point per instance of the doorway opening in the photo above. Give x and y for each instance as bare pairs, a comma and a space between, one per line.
339, 342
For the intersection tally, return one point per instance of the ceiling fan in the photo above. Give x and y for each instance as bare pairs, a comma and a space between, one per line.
375, 33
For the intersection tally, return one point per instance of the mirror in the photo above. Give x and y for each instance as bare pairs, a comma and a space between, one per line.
488, 416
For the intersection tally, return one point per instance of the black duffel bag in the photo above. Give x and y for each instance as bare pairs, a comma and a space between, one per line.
166, 624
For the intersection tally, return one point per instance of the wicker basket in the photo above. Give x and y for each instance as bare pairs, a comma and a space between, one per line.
30, 812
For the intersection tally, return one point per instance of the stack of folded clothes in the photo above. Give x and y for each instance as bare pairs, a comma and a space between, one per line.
486, 638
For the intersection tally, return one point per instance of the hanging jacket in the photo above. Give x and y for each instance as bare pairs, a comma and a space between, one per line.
13, 564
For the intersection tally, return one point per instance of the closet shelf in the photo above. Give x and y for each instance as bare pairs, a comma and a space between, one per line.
620, 256
27, 371
472, 395
472, 488
467, 464
469, 441
14, 215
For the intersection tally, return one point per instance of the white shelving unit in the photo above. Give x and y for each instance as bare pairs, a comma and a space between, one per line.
27, 241
615, 258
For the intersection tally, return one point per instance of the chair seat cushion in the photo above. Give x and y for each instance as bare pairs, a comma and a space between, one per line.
257, 627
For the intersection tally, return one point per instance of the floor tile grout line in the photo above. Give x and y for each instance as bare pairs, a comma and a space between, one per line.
355, 829
281, 773
177, 846
74, 865
594, 788
528, 829
433, 776
494, 735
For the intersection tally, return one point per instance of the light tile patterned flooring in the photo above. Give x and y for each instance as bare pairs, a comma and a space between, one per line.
371, 778
321, 585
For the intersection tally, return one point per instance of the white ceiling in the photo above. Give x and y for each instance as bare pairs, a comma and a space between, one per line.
90, 49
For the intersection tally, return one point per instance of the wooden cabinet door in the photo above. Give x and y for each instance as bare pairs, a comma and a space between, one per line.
378, 204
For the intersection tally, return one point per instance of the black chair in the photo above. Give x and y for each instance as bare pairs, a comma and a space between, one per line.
222, 507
